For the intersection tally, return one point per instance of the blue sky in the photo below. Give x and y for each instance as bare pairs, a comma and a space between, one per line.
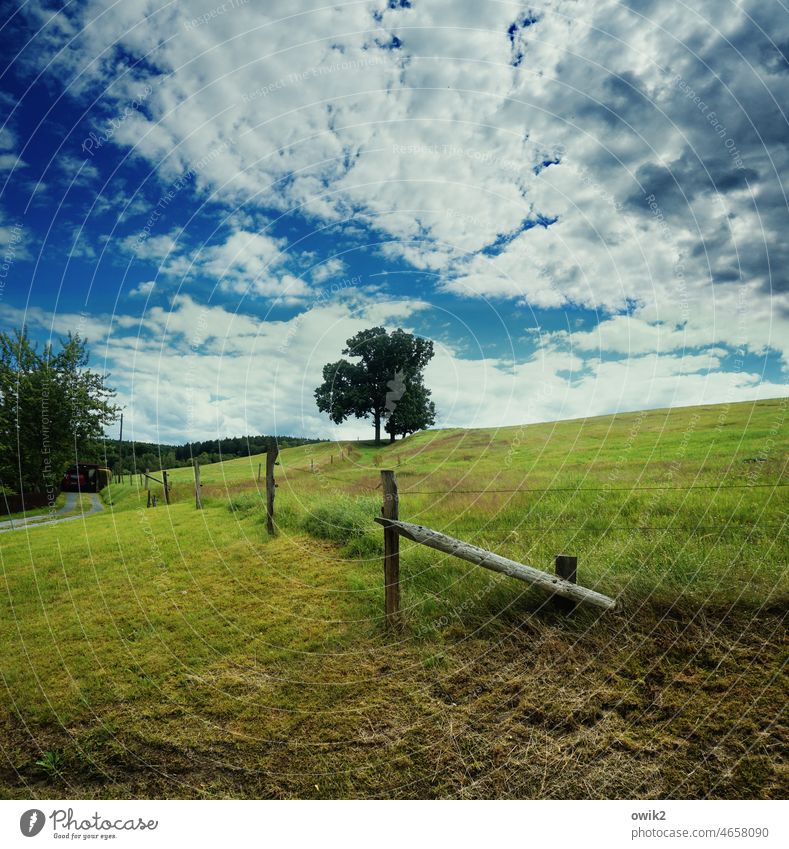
584, 208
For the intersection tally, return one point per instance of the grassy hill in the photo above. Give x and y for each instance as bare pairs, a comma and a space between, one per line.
171, 652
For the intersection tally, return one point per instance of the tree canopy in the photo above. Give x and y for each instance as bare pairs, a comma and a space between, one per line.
385, 383
52, 408
412, 412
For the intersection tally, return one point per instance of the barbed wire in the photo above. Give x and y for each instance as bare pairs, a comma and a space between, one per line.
659, 488
729, 525
589, 489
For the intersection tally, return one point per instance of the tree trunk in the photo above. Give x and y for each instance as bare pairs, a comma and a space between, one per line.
392, 437
377, 419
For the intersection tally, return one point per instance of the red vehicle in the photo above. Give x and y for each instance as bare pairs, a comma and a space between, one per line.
85, 477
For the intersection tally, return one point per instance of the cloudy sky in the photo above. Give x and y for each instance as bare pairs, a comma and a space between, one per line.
582, 204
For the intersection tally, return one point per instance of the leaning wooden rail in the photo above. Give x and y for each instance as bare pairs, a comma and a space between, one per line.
466, 551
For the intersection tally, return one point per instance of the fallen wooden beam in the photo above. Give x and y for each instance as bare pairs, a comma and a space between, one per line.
466, 551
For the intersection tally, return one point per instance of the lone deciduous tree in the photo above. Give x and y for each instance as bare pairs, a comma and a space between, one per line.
388, 375
52, 409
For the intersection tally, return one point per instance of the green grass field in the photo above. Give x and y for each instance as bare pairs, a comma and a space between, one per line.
174, 653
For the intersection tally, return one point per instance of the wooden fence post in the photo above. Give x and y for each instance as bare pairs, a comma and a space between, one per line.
566, 568
391, 510
259, 465
149, 495
271, 459
166, 488
198, 499
311, 466
146, 479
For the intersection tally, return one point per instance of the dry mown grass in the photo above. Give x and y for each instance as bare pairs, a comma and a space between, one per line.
547, 710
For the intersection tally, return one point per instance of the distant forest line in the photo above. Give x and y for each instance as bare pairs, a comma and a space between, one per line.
155, 456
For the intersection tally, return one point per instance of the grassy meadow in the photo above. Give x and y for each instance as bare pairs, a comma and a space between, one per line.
172, 652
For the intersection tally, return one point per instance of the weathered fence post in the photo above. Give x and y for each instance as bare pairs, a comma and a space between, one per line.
566, 568
311, 465
391, 510
166, 488
198, 499
271, 459
146, 479
259, 465
149, 494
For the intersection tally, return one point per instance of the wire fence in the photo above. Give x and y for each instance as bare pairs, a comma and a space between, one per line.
319, 470
560, 527
591, 489
651, 528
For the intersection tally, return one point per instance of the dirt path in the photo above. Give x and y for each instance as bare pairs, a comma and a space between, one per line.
51, 518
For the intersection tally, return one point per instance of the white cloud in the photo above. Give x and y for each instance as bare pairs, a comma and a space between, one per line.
244, 256
331, 268
245, 262
253, 263
7, 139
156, 248
11, 162
143, 289
76, 171
14, 244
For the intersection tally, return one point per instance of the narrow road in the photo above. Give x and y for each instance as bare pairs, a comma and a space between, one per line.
51, 518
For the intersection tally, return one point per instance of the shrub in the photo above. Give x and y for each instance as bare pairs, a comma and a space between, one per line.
244, 503
343, 519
